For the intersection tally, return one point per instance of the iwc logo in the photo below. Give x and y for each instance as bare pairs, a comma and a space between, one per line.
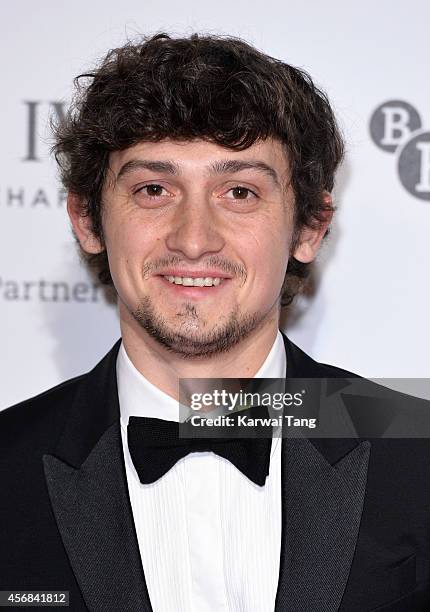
396, 127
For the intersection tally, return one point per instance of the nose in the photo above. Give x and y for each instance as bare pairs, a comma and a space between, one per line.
194, 229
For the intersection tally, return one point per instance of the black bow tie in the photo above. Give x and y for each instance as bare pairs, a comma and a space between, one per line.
155, 447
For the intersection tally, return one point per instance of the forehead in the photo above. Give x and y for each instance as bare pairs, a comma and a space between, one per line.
198, 155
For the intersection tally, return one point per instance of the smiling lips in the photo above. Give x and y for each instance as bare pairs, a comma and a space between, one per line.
201, 281
194, 278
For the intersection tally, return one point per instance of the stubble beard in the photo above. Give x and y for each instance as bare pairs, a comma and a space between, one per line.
188, 339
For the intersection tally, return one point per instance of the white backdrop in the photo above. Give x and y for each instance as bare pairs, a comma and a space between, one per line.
370, 309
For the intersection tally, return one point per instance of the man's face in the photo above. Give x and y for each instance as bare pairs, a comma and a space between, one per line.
177, 214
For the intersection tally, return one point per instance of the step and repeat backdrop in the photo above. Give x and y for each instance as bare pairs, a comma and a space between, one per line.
368, 307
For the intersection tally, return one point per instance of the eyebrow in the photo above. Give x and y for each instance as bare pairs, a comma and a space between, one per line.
226, 166
236, 165
166, 167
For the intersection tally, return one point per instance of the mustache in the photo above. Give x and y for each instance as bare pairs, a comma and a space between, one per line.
214, 261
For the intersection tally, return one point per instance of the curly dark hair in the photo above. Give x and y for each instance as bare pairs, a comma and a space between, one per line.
209, 87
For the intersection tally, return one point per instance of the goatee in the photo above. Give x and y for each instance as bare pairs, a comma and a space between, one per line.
188, 340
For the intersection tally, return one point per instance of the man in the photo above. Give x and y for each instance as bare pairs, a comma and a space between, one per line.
199, 173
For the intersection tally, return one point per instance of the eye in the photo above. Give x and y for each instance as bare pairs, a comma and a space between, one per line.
241, 193
152, 190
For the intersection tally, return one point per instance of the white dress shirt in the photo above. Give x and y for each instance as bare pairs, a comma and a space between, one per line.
209, 538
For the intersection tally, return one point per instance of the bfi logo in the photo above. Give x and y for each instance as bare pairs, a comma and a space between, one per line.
396, 127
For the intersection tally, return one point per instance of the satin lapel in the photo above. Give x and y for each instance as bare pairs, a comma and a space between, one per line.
87, 487
322, 506
323, 490
94, 518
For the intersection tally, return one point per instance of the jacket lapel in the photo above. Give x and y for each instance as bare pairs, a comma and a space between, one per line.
87, 486
323, 489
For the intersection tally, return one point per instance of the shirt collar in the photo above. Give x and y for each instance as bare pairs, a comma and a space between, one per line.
139, 397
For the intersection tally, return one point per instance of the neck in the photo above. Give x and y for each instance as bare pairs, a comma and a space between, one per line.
163, 368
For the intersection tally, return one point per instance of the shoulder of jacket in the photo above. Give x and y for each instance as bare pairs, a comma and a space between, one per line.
44, 412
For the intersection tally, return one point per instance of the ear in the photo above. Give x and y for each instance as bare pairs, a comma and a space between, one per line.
82, 225
309, 239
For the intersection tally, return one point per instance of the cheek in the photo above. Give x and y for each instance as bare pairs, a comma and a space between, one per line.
269, 251
127, 247
130, 233
124, 240
266, 260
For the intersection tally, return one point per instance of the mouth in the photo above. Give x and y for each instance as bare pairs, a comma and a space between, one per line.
200, 281
194, 287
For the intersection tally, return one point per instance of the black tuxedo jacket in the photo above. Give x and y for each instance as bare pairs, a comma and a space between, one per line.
356, 513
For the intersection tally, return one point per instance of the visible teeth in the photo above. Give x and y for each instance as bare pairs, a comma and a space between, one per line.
187, 281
